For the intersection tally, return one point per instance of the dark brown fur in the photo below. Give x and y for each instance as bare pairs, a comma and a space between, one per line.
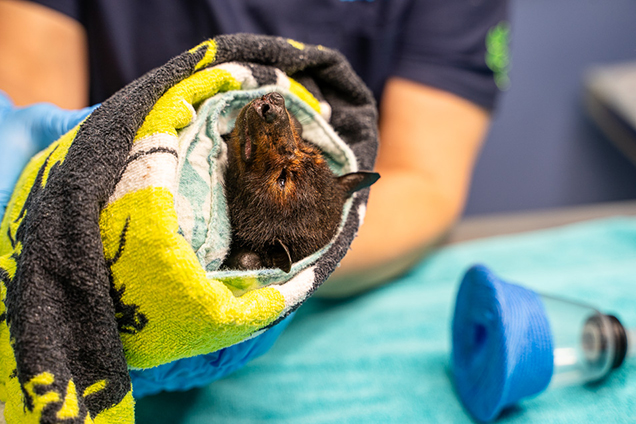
284, 201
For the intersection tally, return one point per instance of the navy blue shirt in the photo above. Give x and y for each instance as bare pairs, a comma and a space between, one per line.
441, 43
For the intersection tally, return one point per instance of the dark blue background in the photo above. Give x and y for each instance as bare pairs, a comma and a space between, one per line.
542, 152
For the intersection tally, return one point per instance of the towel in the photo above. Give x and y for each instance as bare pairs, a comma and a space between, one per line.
111, 245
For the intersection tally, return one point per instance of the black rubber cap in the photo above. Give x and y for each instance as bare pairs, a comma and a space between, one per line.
621, 341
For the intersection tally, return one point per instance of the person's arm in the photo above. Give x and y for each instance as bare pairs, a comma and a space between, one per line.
429, 140
44, 56
43, 61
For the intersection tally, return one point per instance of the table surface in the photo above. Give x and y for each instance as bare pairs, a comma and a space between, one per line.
477, 227
472, 228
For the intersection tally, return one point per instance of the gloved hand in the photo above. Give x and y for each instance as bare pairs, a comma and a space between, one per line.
198, 371
24, 131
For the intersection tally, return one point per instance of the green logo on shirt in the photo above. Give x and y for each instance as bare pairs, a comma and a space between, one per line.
497, 55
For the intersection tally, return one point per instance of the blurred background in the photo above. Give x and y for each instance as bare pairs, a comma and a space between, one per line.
543, 151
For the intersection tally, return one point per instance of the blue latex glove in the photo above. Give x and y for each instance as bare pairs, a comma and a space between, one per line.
201, 370
24, 131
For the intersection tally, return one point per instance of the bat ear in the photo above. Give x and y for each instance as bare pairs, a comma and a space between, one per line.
281, 257
355, 181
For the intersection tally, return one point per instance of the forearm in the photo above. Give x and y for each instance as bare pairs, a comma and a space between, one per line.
399, 229
429, 143
44, 56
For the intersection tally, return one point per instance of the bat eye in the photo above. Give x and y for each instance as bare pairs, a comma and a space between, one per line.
282, 179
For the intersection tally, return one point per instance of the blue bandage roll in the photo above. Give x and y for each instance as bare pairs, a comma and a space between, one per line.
502, 345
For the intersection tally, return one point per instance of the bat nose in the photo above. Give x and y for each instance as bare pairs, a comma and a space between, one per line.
275, 99
271, 106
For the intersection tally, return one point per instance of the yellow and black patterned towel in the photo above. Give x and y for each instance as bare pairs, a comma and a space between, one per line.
111, 244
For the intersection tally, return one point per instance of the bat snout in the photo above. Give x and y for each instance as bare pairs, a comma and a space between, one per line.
270, 107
